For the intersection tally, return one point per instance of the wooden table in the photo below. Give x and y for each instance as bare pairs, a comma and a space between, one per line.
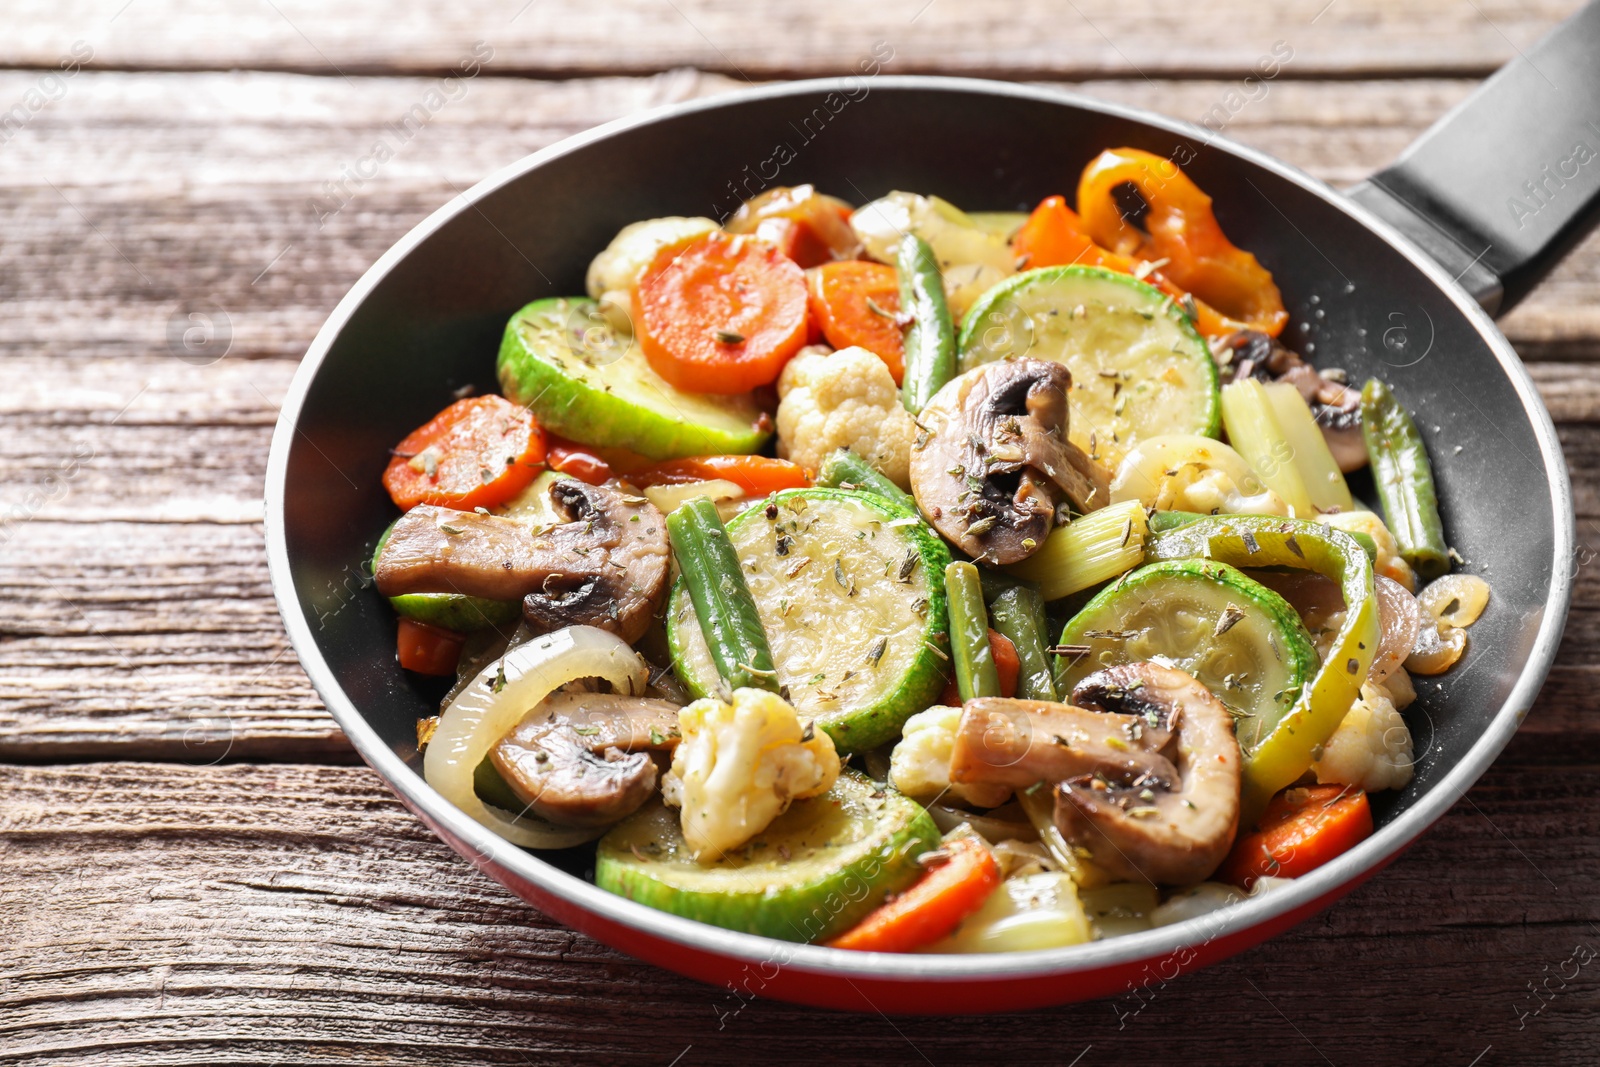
193, 866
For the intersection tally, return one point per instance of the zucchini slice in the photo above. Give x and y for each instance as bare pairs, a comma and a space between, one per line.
850, 590
584, 380
1138, 367
815, 872
1241, 640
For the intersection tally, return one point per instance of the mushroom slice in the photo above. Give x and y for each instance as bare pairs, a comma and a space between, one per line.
605, 566
1119, 691
583, 759
1171, 836
997, 460
1020, 743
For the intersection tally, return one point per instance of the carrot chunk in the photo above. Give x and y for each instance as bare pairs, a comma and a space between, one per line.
476, 453
855, 303
721, 313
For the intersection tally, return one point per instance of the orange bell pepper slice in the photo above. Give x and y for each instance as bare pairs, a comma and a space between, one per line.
1054, 236
1181, 233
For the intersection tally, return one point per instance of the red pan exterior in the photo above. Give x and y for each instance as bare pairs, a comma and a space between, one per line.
773, 978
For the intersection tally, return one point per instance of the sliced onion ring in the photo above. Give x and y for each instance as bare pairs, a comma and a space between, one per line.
1007, 823
1437, 650
1456, 600
1399, 617
479, 717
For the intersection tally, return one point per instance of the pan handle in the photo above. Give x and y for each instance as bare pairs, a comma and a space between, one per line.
1504, 185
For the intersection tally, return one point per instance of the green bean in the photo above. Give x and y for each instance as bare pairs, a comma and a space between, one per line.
1404, 479
726, 610
1164, 521
844, 469
976, 675
930, 359
1018, 615
997, 582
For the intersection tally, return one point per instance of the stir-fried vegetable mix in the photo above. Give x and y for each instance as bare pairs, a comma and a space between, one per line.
1049, 614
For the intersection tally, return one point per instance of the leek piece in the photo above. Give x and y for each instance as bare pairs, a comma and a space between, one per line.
1323, 479
1253, 430
1087, 551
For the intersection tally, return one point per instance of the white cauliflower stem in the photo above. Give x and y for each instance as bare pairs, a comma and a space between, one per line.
844, 399
739, 765
920, 764
1371, 749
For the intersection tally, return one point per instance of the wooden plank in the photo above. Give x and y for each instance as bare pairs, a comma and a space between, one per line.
99, 260
560, 37
298, 914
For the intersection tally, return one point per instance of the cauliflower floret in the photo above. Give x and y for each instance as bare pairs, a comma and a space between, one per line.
1183, 472
1389, 564
920, 764
739, 765
1399, 689
1213, 492
632, 249
844, 399
1371, 749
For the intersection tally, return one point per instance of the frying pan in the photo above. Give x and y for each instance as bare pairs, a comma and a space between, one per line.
1395, 279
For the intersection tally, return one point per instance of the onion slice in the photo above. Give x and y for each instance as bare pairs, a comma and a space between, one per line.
1399, 618
498, 698
1007, 823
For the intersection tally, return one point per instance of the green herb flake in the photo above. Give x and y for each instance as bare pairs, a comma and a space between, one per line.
877, 651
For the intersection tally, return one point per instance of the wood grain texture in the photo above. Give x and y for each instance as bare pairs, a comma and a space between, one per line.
300, 915
212, 204
1145, 38
204, 910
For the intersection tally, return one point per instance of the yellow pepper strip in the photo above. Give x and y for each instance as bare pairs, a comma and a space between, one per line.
1265, 541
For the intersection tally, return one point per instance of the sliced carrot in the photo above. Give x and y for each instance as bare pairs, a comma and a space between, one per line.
476, 453
855, 303
1006, 664
721, 313
932, 907
756, 475
428, 649
1300, 831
